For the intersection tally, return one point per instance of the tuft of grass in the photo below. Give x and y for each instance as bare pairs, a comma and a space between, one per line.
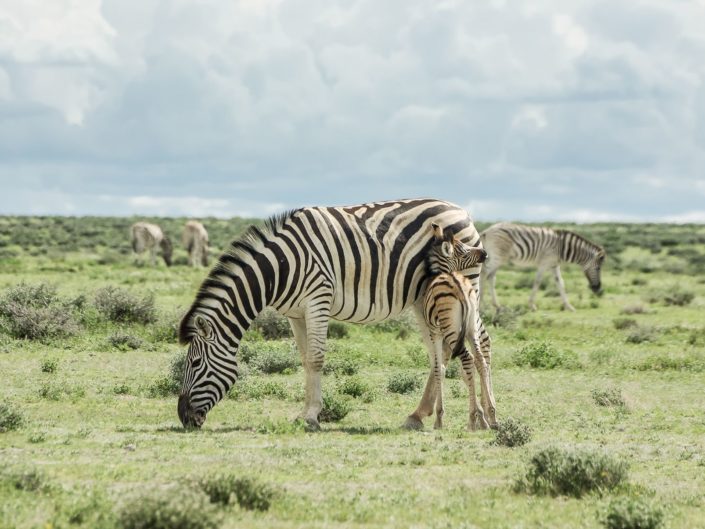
182, 508
543, 355
272, 325
121, 306
125, 341
403, 383
623, 323
49, 365
10, 418
632, 513
512, 432
28, 479
560, 472
608, 397
36, 312
633, 309
641, 334
249, 493
335, 407
121, 389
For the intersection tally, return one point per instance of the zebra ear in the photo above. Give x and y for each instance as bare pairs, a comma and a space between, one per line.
447, 249
202, 326
437, 232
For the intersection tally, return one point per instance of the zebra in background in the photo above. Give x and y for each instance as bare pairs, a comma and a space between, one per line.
195, 240
451, 313
545, 247
146, 236
360, 264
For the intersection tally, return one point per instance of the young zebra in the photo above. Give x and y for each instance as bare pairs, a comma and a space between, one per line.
361, 264
547, 248
195, 240
451, 313
146, 236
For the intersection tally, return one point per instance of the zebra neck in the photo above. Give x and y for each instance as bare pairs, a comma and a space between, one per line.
574, 249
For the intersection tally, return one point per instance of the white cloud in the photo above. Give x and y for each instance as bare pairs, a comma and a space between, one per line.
572, 34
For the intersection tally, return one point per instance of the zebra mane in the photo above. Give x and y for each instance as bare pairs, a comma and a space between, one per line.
238, 249
586, 243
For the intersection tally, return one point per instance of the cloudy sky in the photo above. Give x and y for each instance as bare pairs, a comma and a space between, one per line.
517, 109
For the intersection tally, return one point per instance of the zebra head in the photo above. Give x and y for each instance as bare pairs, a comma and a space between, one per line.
167, 250
210, 369
592, 271
448, 253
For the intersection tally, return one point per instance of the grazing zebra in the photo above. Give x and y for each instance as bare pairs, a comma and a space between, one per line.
360, 264
546, 247
146, 236
195, 239
451, 313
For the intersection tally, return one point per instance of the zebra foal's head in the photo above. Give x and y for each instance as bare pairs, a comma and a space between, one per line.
592, 271
448, 253
210, 369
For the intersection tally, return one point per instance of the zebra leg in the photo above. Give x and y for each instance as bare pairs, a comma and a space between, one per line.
561, 289
535, 288
476, 417
316, 331
484, 355
491, 279
425, 407
301, 336
439, 373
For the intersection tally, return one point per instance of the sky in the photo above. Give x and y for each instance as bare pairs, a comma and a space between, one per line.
528, 110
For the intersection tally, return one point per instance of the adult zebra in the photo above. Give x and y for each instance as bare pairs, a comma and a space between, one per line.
147, 236
547, 248
360, 264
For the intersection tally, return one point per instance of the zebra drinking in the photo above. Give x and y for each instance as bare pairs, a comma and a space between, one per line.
359, 264
146, 236
545, 247
451, 313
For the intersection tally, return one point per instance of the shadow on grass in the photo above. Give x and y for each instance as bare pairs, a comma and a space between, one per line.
263, 429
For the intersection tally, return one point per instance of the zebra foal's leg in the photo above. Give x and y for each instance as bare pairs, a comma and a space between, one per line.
438, 369
561, 289
481, 345
476, 417
535, 287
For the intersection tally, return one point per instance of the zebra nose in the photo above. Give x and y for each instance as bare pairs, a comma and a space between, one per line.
185, 413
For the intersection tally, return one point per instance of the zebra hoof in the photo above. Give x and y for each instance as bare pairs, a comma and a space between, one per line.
412, 423
312, 425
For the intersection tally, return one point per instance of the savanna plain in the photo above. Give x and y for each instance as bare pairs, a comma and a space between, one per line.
601, 411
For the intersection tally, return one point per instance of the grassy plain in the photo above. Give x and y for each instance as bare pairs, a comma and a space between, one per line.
98, 434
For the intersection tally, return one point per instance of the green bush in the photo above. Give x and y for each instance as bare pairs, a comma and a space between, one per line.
633, 309
562, 472
512, 432
335, 407
249, 493
353, 386
125, 341
36, 312
632, 513
49, 365
401, 326
403, 383
453, 370
28, 479
543, 355
10, 418
608, 397
505, 317
257, 388
272, 325
166, 328
163, 387
337, 329
276, 361
624, 323
641, 334
674, 295
121, 306
340, 366
180, 508
121, 389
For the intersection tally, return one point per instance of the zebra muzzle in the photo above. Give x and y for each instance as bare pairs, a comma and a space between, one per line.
189, 417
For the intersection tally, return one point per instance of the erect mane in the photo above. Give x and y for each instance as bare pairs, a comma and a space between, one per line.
596, 247
239, 248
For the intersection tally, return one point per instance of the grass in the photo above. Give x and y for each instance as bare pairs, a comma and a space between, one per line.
99, 440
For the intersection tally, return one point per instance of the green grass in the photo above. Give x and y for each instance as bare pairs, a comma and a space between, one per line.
99, 423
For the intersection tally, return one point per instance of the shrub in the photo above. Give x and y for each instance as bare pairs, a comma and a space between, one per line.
272, 325
121, 389
353, 386
632, 513
453, 369
512, 432
403, 383
166, 328
177, 367
169, 509
544, 356
276, 361
36, 312
49, 365
249, 493
125, 341
608, 397
22, 478
673, 295
624, 323
10, 419
633, 309
556, 472
505, 317
335, 407
162, 387
121, 306
337, 329
401, 326
256, 388
641, 334
340, 366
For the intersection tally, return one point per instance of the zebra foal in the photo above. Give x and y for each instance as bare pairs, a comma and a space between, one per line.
360, 264
452, 314
545, 247
147, 236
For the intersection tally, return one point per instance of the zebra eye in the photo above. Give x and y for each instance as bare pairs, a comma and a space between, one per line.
196, 362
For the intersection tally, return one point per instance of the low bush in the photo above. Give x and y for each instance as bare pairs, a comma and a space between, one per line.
337, 329
272, 325
181, 508
276, 361
632, 513
401, 326
28, 479
633, 309
36, 312
162, 387
340, 366
544, 355
166, 328
641, 334
403, 383
49, 365
257, 388
335, 407
561, 472
125, 341
353, 386
121, 389
623, 323
692, 361
249, 493
608, 397
10, 418
505, 317
453, 369
512, 432
674, 295
121, 306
